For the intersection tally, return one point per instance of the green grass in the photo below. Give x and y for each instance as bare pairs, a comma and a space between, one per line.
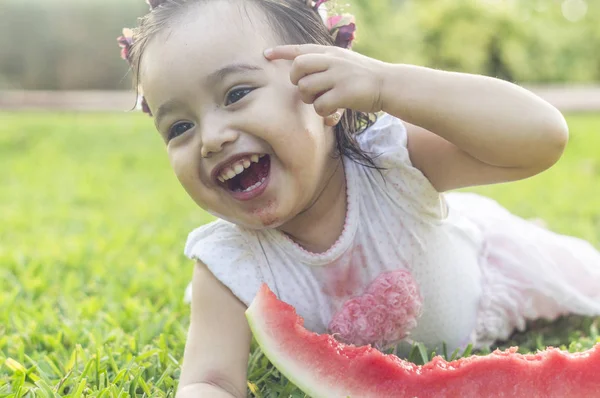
92, 230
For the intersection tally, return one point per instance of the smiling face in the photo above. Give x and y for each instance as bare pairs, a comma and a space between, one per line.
240, 140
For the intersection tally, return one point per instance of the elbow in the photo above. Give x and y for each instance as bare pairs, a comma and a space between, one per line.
559, 136
554, 138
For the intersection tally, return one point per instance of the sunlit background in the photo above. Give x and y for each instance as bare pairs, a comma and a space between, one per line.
70, 44
93, 221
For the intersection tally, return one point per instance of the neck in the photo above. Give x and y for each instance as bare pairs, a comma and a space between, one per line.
318, 227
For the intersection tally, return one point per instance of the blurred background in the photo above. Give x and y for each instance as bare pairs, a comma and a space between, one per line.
93, 221
70, 44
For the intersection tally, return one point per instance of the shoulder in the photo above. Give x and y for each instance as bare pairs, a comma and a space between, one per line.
216, 231
219, 240
386, 134
226, 251
386, 141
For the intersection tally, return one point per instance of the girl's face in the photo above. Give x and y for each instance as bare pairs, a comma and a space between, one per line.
240, 140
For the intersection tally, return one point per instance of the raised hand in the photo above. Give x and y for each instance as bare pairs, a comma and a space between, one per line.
333, 78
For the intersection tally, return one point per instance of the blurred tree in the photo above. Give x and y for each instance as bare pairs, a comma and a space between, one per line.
70, 44
523, 40
64, 44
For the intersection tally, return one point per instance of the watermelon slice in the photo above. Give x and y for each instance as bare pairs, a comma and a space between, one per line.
323, 367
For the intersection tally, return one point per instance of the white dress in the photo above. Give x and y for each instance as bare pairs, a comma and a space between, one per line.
411, 265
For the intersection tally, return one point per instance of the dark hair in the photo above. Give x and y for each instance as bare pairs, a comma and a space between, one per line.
295, 23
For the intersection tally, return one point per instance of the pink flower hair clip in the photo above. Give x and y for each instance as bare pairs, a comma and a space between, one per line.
126, 42
342, 27
315, 4
154, 3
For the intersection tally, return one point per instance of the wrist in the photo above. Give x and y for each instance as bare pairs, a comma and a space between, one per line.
407, 90
392, 88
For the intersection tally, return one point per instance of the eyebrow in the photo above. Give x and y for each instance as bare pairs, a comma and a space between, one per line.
164, 109
222, 73
212, 79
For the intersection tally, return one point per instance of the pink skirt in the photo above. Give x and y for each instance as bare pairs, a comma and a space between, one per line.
528, 271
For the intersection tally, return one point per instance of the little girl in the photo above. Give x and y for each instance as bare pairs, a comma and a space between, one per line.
271, 127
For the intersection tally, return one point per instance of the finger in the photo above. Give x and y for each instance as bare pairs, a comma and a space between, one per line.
333, 119
313, 86
307, 65
291, 51
327, 103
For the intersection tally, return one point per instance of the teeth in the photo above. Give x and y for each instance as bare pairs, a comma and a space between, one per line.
238, 168
259, 183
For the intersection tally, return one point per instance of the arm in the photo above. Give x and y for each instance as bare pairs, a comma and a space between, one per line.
216, 353
203, 390
468, 130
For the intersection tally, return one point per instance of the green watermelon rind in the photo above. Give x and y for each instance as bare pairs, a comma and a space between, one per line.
551, 372
276, 358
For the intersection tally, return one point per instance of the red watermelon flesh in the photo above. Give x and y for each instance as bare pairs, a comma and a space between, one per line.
323, 367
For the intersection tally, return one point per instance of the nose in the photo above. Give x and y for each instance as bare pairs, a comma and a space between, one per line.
216, 134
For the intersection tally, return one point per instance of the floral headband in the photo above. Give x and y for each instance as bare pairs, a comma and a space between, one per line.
341, 27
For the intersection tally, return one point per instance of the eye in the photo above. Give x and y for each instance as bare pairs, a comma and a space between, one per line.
179, 128
236, 95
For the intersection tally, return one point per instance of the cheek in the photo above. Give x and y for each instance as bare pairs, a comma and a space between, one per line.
184, 166
178, 163
297, 148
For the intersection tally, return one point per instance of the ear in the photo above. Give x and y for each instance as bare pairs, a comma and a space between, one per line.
333, 119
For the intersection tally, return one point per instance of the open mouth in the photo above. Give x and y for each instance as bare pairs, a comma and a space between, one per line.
247, 178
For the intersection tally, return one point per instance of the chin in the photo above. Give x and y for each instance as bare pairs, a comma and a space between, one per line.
258, 222
269, 215
267, 221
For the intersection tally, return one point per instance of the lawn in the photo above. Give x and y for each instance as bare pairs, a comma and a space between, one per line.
92, 230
